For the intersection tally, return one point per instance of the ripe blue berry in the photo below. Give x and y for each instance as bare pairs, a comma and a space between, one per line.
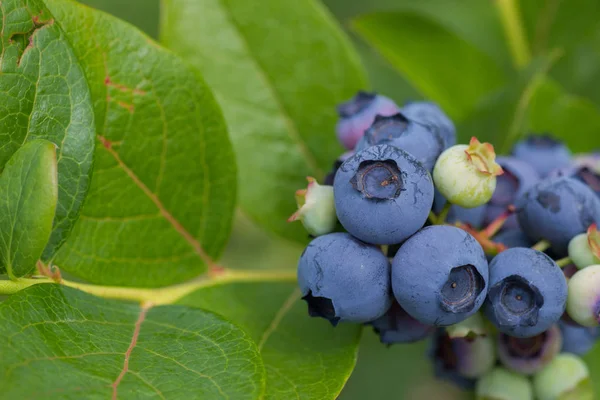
583, 304
528, 292
358, 113
578, 339
344, 279
396, 326
382, 195
543, 153
517, 178
513, 238
582, 173
461, 357
396, 130
529, 355
431, 114
557, 209
440, 275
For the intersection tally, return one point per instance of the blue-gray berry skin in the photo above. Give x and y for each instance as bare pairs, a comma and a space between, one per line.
528, 292
382, 195
396, 326
578, 339
582, 173
543, 153
513, 238
517, 178
557, 209
431, 114
414, 138
344, 279
440, 275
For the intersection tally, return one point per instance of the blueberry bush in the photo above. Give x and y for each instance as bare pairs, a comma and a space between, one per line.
126, 160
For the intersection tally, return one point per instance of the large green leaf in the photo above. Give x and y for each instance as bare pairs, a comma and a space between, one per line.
60, 343
278, 68
44, 95
440, 64
304, 358
161, 201
28, 197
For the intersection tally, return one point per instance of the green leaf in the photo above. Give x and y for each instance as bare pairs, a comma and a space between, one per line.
62, 343
278, 68
45, 96
304, 358
161, 202
502, 117
28, 198
440, 64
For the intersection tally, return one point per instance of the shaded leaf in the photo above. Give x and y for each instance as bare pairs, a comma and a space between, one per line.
45, 96
304, 358
440, 64
287, 65
28, 198
162, 198
63, 343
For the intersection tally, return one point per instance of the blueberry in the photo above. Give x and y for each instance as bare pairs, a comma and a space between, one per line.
566, 377
528, 292
440, 275
578, 339
472, 216
344, 279
557, 209
358, 113
529, 355
513, 238
517, 178
466, 175
330, 177
582, 173
396, 326
583, 304
502, 384
382, 195
461, 357
543, 153
396, 130
431, 114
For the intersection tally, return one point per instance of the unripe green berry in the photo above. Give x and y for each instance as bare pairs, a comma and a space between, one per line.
564, 378
585, 248
316, 208
501, 384
466, 175
583, 300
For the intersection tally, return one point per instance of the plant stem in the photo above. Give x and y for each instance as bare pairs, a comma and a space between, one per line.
510, 16
542, 245
563, 262
158, 296
432, 218
441, 219
499, 222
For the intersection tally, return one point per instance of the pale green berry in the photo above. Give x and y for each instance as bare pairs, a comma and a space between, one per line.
564, 378
583, 300
584, 249
316, 208
501, 384
466, 175
470, 328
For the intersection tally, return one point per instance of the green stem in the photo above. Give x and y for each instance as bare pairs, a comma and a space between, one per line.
432, 218
159, 296
542, 245
510, 16
563, 262
441, 219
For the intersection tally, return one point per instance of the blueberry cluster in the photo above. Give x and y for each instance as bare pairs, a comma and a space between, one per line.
496, 261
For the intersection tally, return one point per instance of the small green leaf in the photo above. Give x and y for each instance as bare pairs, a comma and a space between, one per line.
45, 96
304, 358
62, 343
278, 69
28, 197
161, 203
440, 64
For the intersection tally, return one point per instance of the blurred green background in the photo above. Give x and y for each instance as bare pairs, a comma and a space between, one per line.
403, 372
